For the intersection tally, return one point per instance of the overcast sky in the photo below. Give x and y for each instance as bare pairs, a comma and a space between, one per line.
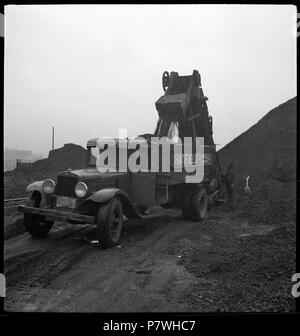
90, 70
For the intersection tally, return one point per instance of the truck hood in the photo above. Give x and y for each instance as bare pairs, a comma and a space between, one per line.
90, 174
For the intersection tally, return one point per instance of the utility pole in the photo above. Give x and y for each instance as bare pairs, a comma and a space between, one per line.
52, 137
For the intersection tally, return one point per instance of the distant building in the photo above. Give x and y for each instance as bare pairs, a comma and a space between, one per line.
20, 163
16, 157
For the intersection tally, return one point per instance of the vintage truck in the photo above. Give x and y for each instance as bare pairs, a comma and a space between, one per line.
90, 196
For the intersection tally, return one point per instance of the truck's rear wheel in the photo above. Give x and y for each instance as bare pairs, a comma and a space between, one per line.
186, 208
37, 225
195, 205
110, 223
199, 204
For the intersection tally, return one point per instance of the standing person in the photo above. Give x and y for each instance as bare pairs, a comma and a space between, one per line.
229, 182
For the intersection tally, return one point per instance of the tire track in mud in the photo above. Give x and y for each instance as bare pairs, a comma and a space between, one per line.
38, 268
139, 276
32, 265
146, 272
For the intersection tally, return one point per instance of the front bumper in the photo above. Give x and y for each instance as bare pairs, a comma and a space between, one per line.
52, 214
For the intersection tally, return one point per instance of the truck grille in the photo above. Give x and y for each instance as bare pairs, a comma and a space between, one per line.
66, 185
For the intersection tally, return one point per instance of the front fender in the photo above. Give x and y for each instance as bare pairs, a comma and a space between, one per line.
36, 186
105, 195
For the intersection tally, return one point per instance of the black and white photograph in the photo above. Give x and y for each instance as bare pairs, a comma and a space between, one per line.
149, 156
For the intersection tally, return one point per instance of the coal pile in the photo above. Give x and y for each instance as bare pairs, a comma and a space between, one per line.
69, 156
267, 153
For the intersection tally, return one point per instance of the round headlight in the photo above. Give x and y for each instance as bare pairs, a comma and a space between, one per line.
81, 189
48, 186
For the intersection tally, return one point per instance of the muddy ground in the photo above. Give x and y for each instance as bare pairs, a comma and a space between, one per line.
165, 264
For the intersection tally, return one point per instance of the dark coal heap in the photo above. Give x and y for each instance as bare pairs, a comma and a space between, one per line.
69, 156
267, 153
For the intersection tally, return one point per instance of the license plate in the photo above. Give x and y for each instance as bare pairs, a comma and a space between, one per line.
66, 202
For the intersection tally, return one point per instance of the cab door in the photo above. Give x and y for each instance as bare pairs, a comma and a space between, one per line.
142, 188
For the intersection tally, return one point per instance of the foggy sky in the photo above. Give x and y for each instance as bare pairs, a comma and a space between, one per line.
90, 70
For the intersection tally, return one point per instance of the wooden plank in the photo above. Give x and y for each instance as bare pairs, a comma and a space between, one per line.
15, 199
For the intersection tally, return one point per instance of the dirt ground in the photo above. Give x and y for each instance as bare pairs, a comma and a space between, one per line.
163, 264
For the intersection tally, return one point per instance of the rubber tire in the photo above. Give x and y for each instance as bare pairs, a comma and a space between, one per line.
104, 221
191, 209
186, 208
37, 225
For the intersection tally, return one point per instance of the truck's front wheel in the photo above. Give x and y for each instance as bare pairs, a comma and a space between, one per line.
110, 223
37, 225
